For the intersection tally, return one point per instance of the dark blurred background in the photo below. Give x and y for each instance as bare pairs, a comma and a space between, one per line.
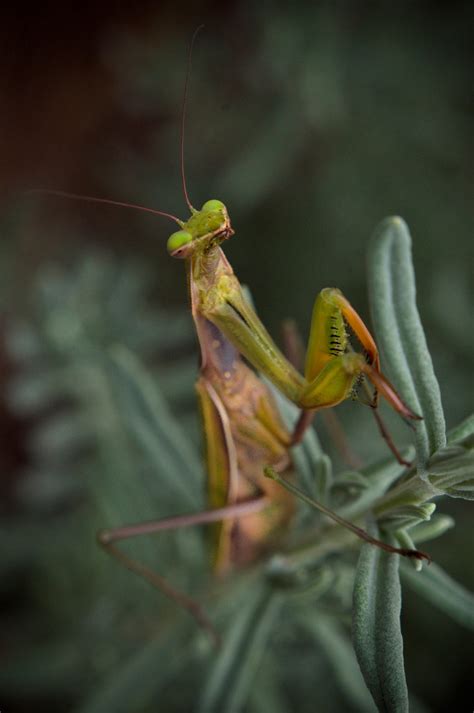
311, 122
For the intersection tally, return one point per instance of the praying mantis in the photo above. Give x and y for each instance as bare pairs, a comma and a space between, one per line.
245, 437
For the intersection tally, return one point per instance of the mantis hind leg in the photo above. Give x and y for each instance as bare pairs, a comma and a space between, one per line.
109, 538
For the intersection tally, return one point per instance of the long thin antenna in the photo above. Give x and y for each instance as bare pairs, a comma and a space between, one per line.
93, 199
183, 115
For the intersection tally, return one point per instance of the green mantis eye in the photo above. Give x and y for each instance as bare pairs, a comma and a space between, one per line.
212, 205
178, 239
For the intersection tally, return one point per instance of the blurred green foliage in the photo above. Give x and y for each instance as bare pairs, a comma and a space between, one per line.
106, 450
311, 125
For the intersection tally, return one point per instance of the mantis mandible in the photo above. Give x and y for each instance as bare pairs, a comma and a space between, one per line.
245, 436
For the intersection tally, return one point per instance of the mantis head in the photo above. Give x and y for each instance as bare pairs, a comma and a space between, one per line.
205, 228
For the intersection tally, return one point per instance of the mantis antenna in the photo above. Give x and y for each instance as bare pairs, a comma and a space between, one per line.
183, 115
107, 201
135, 206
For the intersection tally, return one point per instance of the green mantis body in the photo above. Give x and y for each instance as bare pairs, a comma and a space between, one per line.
243, 430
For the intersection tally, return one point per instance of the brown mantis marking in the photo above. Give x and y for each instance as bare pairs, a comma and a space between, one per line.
246, 439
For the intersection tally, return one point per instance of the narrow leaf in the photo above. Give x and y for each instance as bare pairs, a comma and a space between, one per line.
339, 652
400, 332
443, 592
464, 491
437, 526
234, 670
376, 629
451, 469
404, 540
464, 430
380, 477
269, 695
135, 683
150, 420
406, 516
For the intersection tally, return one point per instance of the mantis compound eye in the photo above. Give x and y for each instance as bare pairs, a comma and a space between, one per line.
212, 205
178, 240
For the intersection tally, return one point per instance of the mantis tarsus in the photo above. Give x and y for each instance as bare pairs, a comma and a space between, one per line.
246, 439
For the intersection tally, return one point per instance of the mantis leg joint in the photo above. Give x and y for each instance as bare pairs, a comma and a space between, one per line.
104, 537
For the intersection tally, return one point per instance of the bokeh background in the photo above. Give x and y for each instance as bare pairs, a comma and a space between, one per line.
312, 123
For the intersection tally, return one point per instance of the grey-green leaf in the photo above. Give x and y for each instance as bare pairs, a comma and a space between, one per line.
380, 477
400, 333
135, 682
443, 592
437, 526
463, 431
340, 654
451, 470
234, 669
376, 629
150, 420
